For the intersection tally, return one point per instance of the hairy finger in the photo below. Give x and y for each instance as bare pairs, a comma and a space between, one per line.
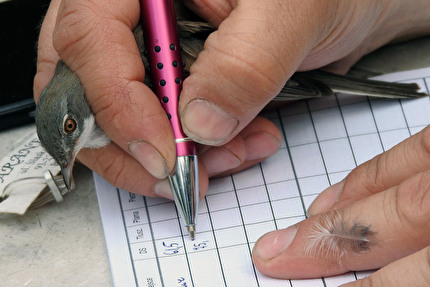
367, 234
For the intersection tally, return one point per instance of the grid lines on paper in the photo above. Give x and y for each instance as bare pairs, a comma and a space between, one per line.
323, 140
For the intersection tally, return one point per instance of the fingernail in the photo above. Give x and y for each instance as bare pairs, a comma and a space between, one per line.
274, 243
218, 159
261, 145
207, 123
162, 189
326, 199
149, 157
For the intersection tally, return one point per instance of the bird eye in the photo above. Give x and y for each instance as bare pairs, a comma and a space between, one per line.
69, 125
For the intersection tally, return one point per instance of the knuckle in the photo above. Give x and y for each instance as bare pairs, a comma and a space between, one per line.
369, 177
413, 202
376, 171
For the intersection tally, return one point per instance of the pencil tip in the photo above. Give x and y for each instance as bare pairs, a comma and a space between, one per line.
191, 231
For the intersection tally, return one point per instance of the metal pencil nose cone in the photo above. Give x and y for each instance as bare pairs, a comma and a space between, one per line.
192, 231
185, 189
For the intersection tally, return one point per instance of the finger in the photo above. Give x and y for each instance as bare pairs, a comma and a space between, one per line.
244, 64
383, 171
212, 11
95, 40
121, 170
259, 140
47, 57
413, 270
124, 172
385, 227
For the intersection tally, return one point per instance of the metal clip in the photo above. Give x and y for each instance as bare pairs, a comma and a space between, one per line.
55, 189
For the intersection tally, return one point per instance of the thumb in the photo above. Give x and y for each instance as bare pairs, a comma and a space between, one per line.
244, 64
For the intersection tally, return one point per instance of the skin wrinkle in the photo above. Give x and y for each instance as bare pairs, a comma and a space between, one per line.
103, 23
214, 12
282, 73
323, 36
426, 268
288, 66
332, 42
215, 65
341, 62
381, 167
240, 160
406, 215
113, 109
121, 97
401, 30
372, 181
278, 143
117, 166
420, 201
73, 27
425, 143
123, 18
278, 72
250, 90
391, 214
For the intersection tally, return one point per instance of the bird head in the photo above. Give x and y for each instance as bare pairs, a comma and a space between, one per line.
64, 120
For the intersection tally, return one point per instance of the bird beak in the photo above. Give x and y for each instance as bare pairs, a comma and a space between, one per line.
66, 171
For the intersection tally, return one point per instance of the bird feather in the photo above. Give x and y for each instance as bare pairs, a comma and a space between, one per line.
336, 237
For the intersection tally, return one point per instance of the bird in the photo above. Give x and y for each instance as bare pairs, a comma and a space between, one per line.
65, 122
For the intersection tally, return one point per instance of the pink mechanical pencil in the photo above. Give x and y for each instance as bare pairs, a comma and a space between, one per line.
166, 70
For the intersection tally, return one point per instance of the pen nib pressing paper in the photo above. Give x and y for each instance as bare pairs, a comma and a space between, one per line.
323, 140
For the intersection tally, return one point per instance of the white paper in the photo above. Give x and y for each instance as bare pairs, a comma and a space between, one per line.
28, 160
324, 139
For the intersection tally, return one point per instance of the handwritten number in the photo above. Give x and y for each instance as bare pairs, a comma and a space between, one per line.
172, 248
201, 245
182, 282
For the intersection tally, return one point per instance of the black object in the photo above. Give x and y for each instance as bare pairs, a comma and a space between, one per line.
19, 28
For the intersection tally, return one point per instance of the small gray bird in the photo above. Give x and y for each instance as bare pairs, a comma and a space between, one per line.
64, 120
65, 123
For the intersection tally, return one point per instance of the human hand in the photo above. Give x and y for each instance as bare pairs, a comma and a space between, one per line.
243, 66
143, 121
260, 44
390, 194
